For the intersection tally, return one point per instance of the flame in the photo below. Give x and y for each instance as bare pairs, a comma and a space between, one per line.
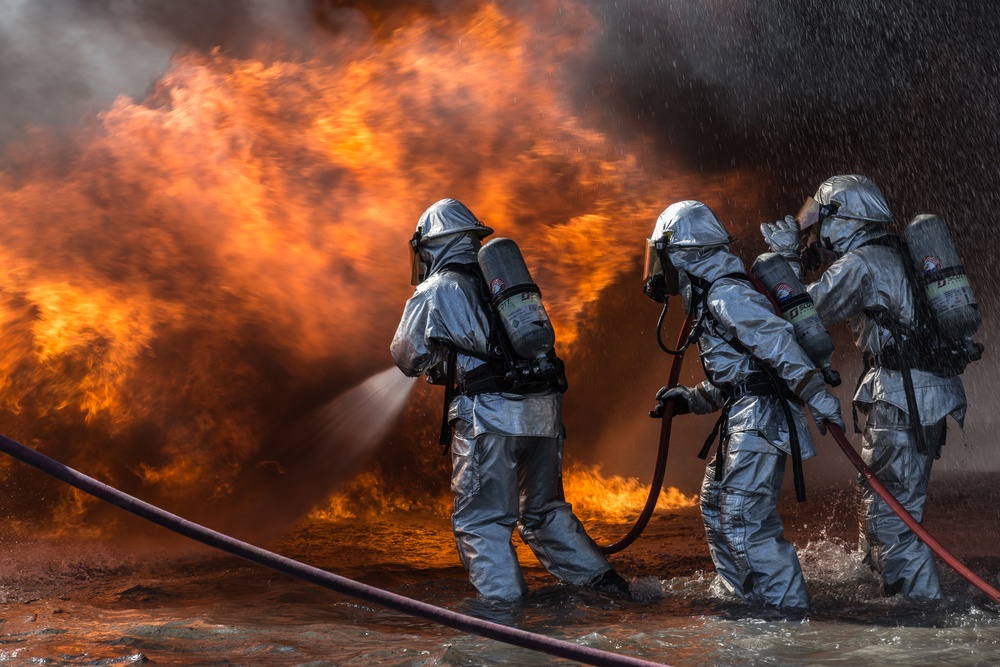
594, 497
185, 275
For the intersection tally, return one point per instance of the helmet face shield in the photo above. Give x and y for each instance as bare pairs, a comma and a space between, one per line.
812, 213
418, 270
660, 277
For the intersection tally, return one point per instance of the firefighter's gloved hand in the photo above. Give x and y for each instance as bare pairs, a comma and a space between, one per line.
823, 405
686, 399
782, 236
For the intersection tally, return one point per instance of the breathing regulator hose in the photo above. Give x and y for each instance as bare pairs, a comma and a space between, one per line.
907, 518
661, 456
314, 575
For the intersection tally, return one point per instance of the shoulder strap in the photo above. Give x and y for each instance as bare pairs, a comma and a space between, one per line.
779, 386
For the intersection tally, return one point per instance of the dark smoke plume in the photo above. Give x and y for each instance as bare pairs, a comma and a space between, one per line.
790, 92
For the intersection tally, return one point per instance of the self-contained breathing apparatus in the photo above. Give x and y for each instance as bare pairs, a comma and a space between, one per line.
521, 357
945, 312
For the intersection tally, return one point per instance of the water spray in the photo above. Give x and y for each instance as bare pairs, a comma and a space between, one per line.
515, 636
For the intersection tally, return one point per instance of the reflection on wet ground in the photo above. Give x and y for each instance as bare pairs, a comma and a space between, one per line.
98, 604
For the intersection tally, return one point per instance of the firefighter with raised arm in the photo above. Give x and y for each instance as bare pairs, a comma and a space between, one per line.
476, 321
760, 380
912, 359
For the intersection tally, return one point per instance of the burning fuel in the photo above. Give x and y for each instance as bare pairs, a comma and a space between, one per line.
187, 275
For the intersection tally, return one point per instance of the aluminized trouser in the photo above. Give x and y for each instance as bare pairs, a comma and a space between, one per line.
890, 547
745, 533
503, 481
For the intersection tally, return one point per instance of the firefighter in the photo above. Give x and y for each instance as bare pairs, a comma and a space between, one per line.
507, 442
760, 380
904, 399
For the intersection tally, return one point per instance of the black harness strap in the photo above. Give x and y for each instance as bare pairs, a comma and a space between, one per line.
765, 382
449, 395
902, 359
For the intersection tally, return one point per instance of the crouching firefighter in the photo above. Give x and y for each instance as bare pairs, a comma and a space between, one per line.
914, 335
505, 411
760, 380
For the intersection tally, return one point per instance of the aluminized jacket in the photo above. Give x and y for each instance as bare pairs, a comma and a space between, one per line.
739, 311
739, 503
506, 449
867, 279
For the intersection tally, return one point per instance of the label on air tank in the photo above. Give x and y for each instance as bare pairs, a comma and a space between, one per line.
523, 309
805, 319
950, 292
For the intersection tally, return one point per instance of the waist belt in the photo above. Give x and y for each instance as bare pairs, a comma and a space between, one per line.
489, 379
756, 384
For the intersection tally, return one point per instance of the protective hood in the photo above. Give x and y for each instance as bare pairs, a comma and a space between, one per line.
447, 233
690, 241
845, 212
856, 197
689, 224
446, 217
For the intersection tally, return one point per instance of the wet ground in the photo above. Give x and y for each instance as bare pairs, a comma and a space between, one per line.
84, 602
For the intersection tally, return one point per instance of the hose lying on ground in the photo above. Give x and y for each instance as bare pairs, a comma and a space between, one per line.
907, 518
451, 619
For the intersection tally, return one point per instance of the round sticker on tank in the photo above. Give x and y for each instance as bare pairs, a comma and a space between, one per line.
783, 292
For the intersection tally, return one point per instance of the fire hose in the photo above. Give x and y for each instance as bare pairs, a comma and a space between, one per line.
661, 456
907, 518
515, 636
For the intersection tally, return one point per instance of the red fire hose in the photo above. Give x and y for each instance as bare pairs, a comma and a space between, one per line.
661, 456
907, 518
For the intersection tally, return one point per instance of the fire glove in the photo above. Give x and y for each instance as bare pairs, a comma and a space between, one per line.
686, 399
823, 405
782, 237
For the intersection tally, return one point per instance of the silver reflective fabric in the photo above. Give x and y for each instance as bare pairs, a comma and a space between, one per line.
864, 280
690, 223
742, 525
741, 312
890, 547
858, 197
507, 448
490, 503
872, 278
745, 533
449, 216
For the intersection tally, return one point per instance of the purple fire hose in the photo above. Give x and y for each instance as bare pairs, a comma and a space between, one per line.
451, 619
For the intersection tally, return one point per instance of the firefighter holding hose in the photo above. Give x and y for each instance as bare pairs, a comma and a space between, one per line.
760, 380
470, 325
910, 381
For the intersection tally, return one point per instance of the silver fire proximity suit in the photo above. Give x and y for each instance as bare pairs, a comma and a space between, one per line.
506, 448
739, 503
867, 285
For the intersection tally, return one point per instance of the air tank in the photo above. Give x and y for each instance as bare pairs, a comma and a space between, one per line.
797, 307
942, 277
516, 298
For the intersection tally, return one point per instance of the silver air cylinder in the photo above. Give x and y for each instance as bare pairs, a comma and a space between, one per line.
942, 277
516, 298
797, 307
